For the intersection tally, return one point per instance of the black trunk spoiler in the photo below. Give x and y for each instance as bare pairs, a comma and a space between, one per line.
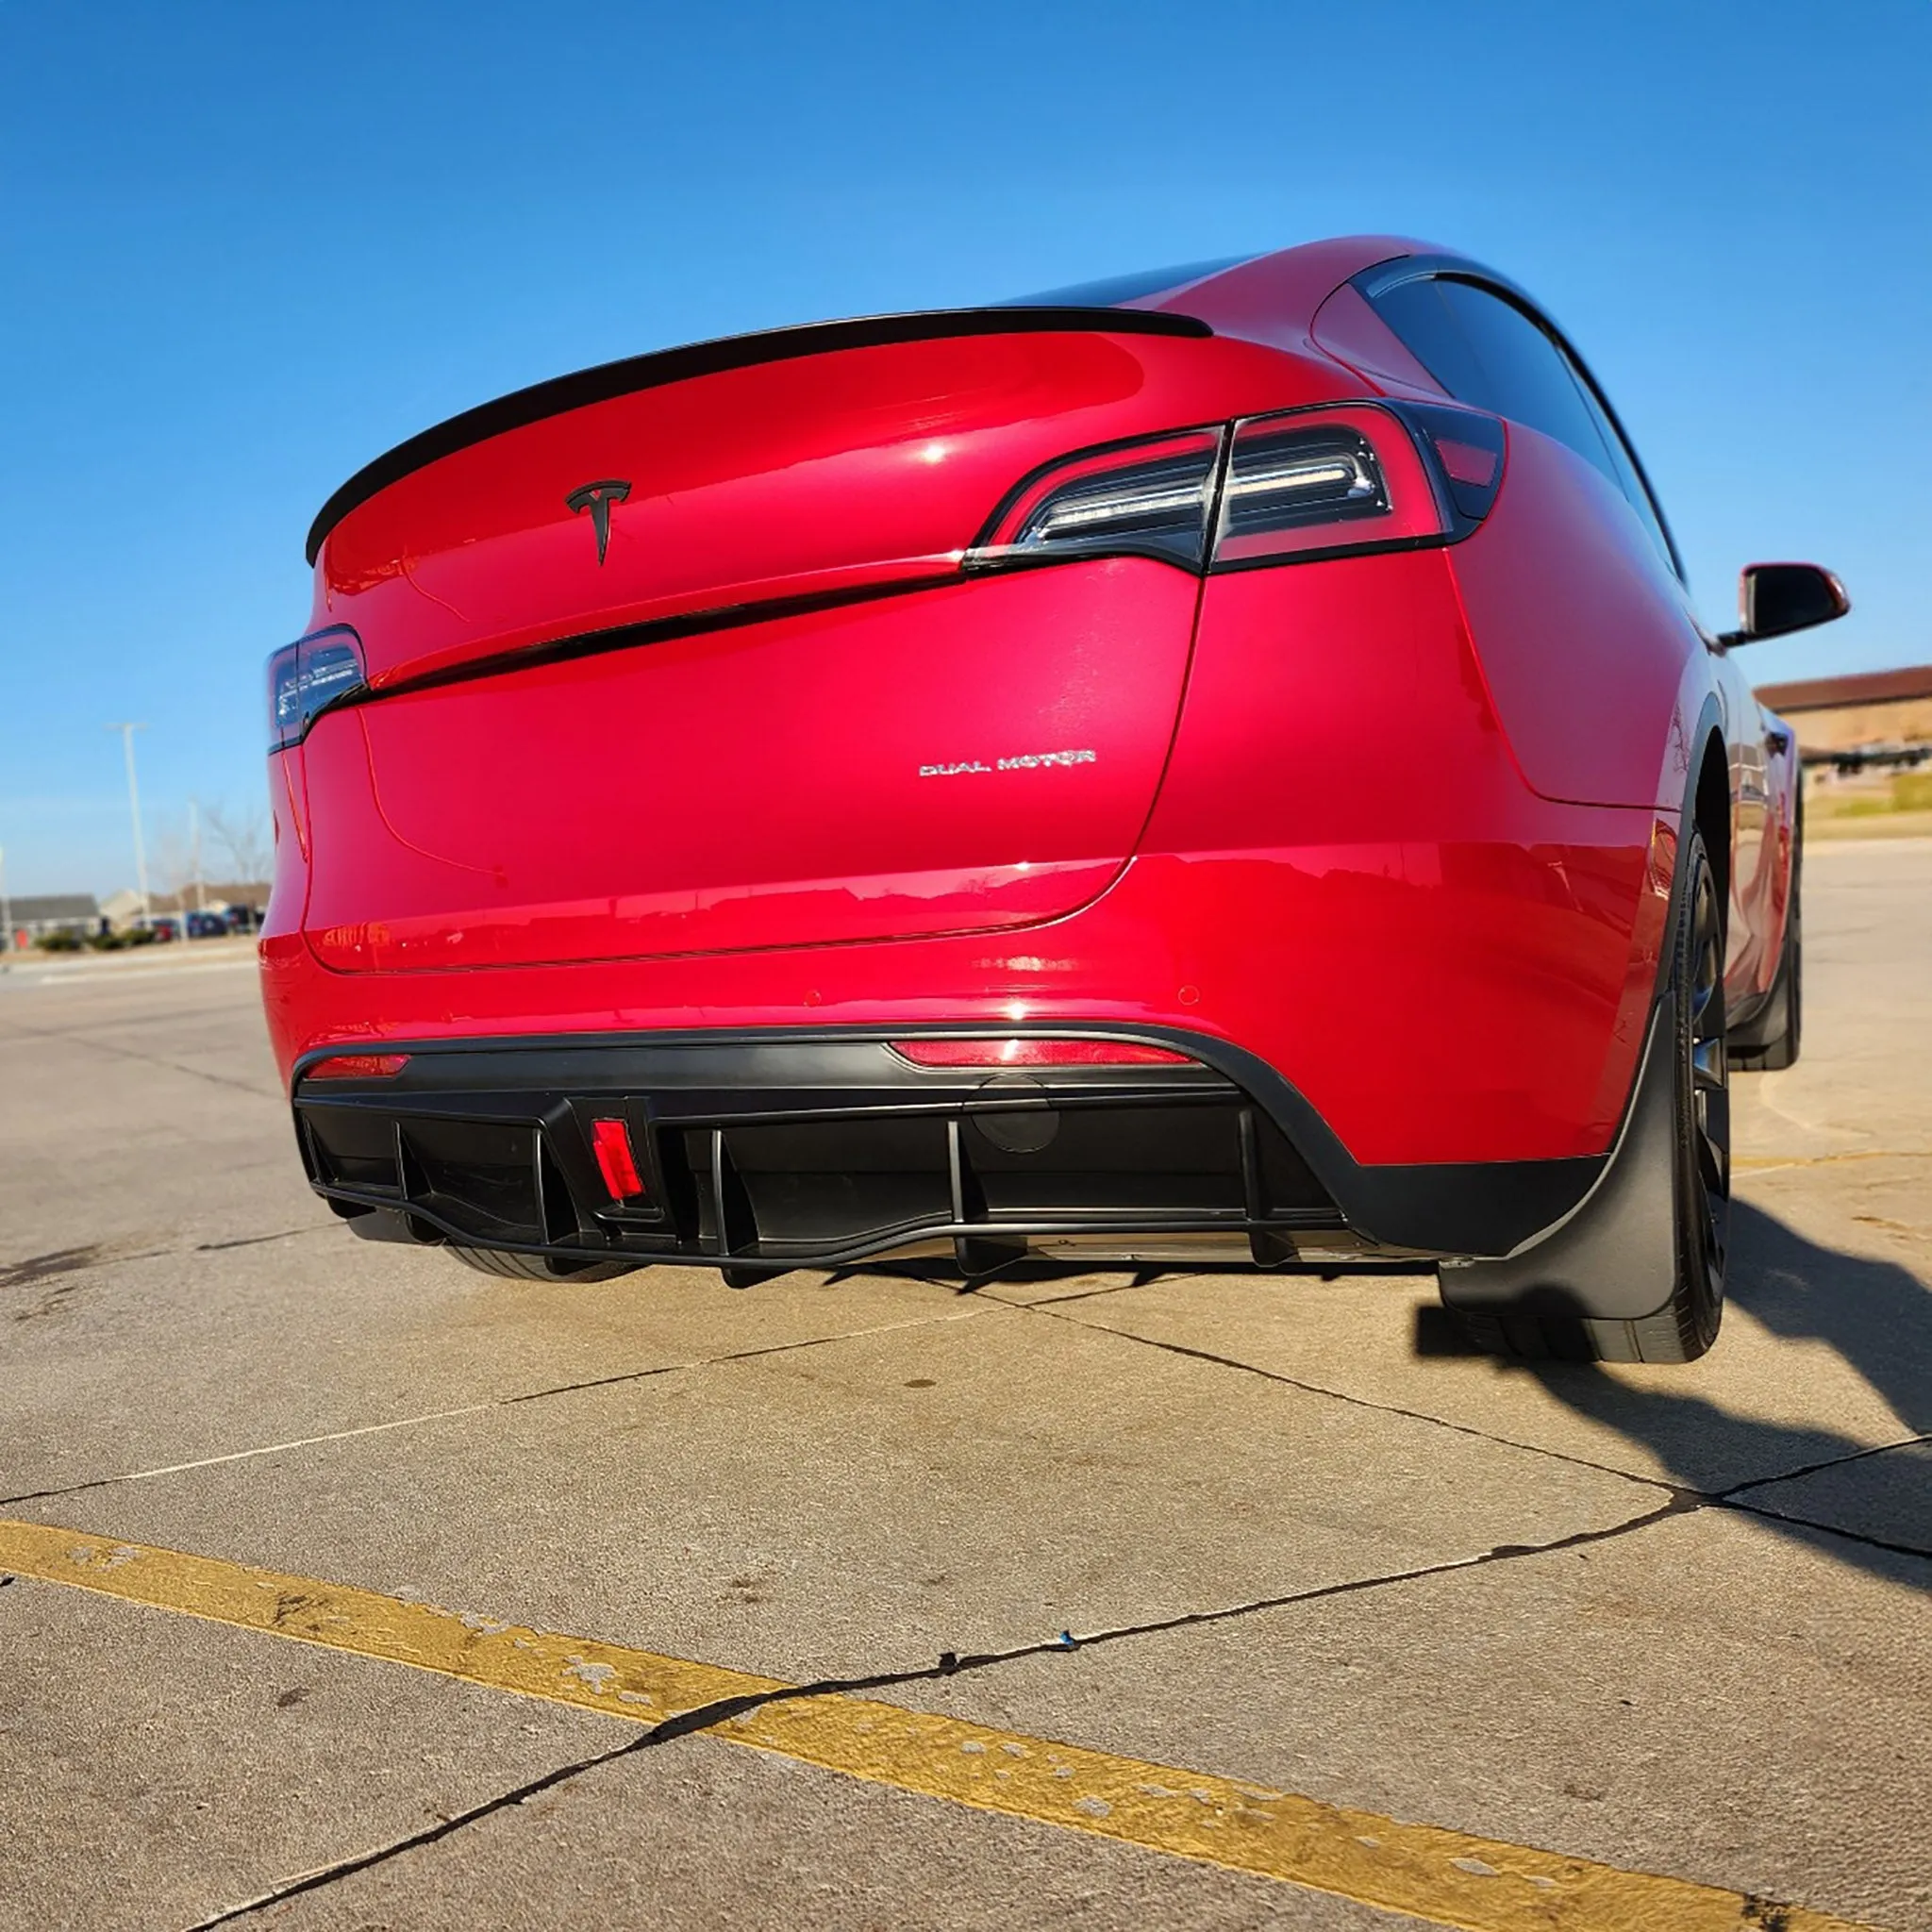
634, 373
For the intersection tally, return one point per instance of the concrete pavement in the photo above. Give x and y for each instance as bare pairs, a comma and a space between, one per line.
1673, 1620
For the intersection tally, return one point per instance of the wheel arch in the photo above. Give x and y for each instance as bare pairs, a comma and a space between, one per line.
1708, 801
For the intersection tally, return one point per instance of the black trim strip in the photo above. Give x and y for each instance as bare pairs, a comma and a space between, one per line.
627, 636
634, 373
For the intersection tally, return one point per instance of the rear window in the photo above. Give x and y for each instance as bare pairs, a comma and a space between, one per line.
1486, 351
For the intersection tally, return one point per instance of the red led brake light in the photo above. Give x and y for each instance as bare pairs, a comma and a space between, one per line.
611, 1141
358, 1066
1036, 1053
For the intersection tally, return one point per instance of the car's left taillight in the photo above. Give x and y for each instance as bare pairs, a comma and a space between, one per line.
308, 676
1264, 490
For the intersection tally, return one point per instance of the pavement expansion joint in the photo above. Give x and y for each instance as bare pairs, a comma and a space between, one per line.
1685, 1498
1850, 1536
1418, 1415
1440, 1875
1792, 1475
439, 1415
80, 1036
416, 1840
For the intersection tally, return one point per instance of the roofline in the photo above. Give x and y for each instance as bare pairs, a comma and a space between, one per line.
634, 373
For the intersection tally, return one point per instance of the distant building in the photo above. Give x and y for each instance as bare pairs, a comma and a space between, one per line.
214, 897
1876, 718
29, 920
123, 908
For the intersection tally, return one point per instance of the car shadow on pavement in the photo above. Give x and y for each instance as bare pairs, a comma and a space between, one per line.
1875, 1315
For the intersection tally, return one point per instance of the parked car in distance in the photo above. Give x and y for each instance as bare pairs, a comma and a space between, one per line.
1218, 765
207, 926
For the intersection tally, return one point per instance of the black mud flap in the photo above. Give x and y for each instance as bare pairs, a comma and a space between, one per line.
1614, 1256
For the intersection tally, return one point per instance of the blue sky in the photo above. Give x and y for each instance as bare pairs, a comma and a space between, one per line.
245, 247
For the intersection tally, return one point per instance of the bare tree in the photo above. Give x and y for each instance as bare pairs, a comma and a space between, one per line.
171, 854
243, 835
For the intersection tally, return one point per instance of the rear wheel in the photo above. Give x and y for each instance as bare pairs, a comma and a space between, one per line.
1686, 1324
536, 1267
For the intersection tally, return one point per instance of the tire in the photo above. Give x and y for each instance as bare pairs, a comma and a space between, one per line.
1686, 1324
1769, 1041
536, 1267
1681, 1151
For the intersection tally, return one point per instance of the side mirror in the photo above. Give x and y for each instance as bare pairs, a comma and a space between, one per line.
1774, 598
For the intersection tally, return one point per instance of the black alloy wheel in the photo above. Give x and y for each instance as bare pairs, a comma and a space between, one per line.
1702, 1180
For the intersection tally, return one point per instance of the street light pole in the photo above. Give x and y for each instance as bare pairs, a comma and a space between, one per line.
127, 732
194, 855
6, 907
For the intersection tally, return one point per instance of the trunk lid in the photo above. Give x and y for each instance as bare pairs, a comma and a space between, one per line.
773, 712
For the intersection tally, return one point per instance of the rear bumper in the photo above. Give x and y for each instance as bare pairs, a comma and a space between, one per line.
771, 1149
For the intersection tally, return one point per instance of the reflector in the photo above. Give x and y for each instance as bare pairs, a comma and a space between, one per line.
1036, 1053
611, 1141
358, 1066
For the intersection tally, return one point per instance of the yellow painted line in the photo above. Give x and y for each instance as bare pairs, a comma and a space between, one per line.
1446, 1877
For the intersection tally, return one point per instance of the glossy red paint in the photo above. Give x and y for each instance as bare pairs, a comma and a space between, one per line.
979, 755
1561, 574
823, 477
1347, 328
1402, 825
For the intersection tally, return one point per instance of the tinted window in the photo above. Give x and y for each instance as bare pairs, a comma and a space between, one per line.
1431, 333
1486, 351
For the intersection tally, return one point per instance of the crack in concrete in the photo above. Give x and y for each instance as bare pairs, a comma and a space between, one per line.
1855, 1536
1687, 1494
381, 1855
708, 1717
469, 1408
1792, 1475
1227, 1362
128, 1053
1680, 1501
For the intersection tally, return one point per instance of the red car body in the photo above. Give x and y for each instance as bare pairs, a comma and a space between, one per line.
721, 701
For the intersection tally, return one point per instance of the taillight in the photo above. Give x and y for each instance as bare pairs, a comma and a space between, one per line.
305, 678
1469, 450
1322, 481
1273, 489
1036, 1053
1149, 498
358, 1066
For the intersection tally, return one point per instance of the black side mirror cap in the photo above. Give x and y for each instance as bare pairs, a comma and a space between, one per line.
1776, 598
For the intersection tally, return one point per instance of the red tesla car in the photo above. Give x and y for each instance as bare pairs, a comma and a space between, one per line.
1216, 765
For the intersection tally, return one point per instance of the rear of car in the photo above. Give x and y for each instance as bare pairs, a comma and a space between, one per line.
1021, 780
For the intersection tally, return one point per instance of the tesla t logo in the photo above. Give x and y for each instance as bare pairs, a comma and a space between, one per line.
597, 498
